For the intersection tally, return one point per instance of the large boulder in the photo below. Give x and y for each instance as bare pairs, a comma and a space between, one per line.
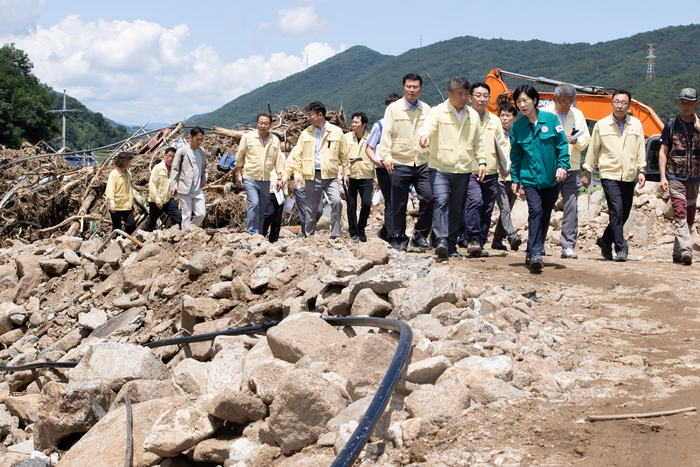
367, 303
237, 407
263, 373
226, 369
440, 285
371, 365
301, 334
301, 409
66, 409
116, 364
449, 398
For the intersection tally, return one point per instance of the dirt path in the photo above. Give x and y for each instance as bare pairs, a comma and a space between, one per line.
648, 308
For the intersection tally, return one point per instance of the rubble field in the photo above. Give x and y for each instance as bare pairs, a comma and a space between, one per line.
506, 366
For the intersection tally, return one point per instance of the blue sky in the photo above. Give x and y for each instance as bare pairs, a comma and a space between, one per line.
156, 61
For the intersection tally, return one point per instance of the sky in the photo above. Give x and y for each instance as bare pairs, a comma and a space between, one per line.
164, 61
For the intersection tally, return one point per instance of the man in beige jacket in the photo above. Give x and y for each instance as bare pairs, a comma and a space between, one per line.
617, 145
317, 157
453, 133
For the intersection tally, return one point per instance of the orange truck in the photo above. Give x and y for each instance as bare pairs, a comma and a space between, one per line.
595, 103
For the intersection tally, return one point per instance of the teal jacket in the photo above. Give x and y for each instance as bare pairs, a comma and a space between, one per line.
536, 153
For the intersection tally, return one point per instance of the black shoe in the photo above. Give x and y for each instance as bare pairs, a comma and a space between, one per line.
398, 246
515, 244
527, 259
677, 259
463, 244
454, 254
687, 258
621, 256
355, 239
382, 236
605, 250
474, 248
484, 253
441, 248
363, 238
420, 243
536, 262
333, 237
498, 246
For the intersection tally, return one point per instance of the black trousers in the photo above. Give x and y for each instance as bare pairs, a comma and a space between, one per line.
619, 195
363, 187
170, 209
539, 206
401, 180
127, 217
273, 218
384, 182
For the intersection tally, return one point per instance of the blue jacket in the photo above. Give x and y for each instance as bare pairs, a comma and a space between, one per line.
536, 153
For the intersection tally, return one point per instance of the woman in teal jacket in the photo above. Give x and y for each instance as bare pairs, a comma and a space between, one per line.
539, 158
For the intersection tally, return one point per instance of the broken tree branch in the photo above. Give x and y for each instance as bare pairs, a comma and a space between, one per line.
593, 418
92, 217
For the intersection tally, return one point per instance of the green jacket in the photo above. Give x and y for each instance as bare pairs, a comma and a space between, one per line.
535, 154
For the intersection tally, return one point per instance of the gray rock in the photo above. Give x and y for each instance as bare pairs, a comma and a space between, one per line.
221, 289
240, 291
383, 279
24, 407
500, 367
427, 371
180, 428
376, 253
370, 367
486, 392
212, 450
191, 376
301, 409
367, 303
639, 226
226, 370
446, 399
300, 334
124, 323
262, 274
294, 305
341, 271
27, 286
112, 255
92, 449
237, 407
341, 304
267, 309
93, 319
263, 373
27, 264
439, 286
116, 364
66, 409
71, 257
148, 250
143, 390
430, 326
126, 301
66, 242
202, 307
54, 267
198, 265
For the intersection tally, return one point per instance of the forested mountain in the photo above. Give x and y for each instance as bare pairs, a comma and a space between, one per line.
360, 78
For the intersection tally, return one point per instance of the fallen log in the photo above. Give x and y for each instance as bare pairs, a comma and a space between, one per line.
226, 132
593, 418
91, 217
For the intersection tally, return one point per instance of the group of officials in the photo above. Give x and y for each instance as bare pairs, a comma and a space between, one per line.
459, 161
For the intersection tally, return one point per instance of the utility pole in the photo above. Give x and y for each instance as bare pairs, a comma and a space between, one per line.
651, 73
64, 111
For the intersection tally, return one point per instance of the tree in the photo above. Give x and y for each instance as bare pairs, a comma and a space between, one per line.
23, 101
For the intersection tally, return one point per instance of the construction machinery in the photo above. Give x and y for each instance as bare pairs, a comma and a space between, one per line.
594, 101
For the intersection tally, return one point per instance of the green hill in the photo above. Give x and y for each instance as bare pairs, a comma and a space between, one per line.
360, 78
86, 129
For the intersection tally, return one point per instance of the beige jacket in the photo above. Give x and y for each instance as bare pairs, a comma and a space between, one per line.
619, 156
334, 154
259, 161
400, 139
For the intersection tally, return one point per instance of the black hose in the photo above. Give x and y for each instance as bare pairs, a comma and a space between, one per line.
7, 229
374, 412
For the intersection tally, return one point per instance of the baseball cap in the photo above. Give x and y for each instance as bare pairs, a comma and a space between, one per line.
688, 94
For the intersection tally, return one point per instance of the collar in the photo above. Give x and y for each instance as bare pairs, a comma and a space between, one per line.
412, 107
619, 123
322, 130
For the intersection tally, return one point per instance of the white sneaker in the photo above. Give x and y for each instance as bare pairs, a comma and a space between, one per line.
569, 253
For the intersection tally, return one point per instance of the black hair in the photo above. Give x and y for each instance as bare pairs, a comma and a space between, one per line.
196, 131
363, 117
391, 98
413, 77
529, 91
122, 159
508, 107
622, 91
479, 85
263, 114
317, 107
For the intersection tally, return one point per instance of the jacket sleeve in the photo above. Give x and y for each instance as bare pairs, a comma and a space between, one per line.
641, 154
593, 150
386, 141
279, 163
242, 151
111, 186
563, 151
293, 163
205, 175
175, 170
430, 124
583, 140
152, 187
344, 155
516, 157
479, 146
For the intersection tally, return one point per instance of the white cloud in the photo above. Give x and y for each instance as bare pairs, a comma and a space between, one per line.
263, 26
19, 17
138, 72
300, 20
